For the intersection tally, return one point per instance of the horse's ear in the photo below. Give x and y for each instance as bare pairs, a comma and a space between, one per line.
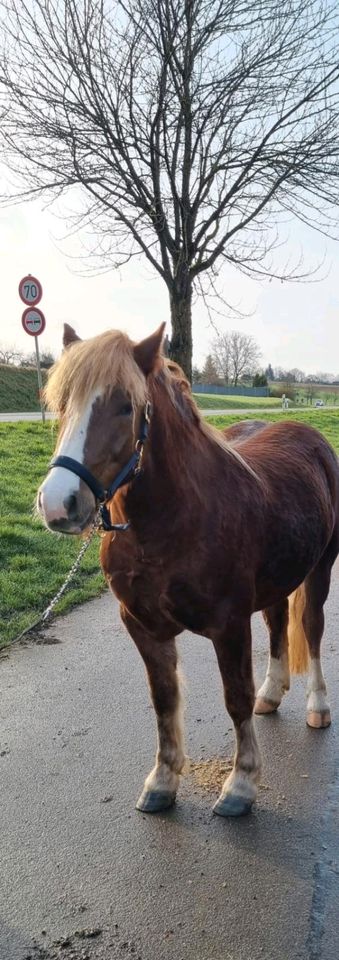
147, 352
70, 336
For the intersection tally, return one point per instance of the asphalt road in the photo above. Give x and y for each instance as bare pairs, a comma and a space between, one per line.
86, 877
256, 411
14, 417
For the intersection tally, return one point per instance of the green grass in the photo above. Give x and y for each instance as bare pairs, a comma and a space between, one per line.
33, 561
327, 421
18, 389
211, 401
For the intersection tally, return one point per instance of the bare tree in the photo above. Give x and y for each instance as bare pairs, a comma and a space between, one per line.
221, 356
279, 374
235, 354
299, 375
9, 355
190, 125
47, 359
310, 391
324, 377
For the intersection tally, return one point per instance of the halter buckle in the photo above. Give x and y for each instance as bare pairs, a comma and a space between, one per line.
139, 449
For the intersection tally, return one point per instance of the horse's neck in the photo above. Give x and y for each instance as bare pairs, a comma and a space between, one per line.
170, 464
175, 441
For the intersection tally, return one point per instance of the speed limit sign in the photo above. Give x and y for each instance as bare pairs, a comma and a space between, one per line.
33, 322
30, 290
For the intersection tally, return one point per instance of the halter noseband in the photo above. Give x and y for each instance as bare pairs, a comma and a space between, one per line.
126, 474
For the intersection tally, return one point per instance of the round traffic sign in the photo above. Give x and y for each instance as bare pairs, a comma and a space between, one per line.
33, 321
30, 290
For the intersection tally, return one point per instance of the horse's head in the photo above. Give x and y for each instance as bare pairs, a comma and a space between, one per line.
98, 390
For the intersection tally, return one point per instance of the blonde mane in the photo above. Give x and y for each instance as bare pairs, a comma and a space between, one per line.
102, 363
107, 361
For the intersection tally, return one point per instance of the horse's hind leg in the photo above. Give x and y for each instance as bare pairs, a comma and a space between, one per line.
317, 585
160, 658
233, 649
277, 679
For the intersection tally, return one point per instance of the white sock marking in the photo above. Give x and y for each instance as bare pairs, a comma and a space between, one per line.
316, 688
277, 680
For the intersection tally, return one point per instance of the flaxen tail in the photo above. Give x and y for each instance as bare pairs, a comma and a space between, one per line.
297, 644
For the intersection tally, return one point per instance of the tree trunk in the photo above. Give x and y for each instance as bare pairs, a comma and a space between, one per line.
181, 318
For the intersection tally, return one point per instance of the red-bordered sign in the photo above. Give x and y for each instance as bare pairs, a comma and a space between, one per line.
30, 290
33, 321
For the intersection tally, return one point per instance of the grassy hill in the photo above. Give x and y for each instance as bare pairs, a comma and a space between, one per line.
19, 394
18, 389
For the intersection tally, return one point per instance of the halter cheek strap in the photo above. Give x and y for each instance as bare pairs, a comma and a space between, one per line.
126, 474
78, 468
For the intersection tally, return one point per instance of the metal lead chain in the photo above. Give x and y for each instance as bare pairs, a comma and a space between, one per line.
75, 566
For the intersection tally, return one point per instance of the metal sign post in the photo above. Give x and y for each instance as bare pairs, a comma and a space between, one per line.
33, 322
42, 408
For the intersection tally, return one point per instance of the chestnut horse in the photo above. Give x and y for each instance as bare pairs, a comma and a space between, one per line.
202, 533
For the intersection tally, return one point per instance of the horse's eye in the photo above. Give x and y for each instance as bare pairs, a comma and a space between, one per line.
126, 410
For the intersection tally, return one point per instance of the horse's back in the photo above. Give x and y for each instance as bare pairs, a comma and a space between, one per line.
293, 452
243, 429
289, 444
300, 472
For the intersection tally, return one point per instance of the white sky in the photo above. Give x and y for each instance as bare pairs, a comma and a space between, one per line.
295, 325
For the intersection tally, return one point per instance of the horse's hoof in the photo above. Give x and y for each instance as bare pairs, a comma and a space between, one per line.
265, 706
232, 806
317, 719
152, 801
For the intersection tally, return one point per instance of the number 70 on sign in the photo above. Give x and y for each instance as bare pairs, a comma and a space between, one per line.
30, 290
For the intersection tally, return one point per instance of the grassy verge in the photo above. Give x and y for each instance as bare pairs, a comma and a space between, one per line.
19, 389
34, 562
327, 421
211, 401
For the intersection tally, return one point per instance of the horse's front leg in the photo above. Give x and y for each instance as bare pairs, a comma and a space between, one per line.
233, 649
160, 657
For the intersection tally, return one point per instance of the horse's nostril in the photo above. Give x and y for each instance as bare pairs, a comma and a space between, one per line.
71, 505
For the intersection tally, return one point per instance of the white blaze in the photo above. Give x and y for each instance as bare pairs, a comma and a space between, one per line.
61, 483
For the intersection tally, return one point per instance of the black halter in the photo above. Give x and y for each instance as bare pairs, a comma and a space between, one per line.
126, 474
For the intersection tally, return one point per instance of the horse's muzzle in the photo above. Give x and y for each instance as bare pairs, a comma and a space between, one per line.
73, 515
62, 525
